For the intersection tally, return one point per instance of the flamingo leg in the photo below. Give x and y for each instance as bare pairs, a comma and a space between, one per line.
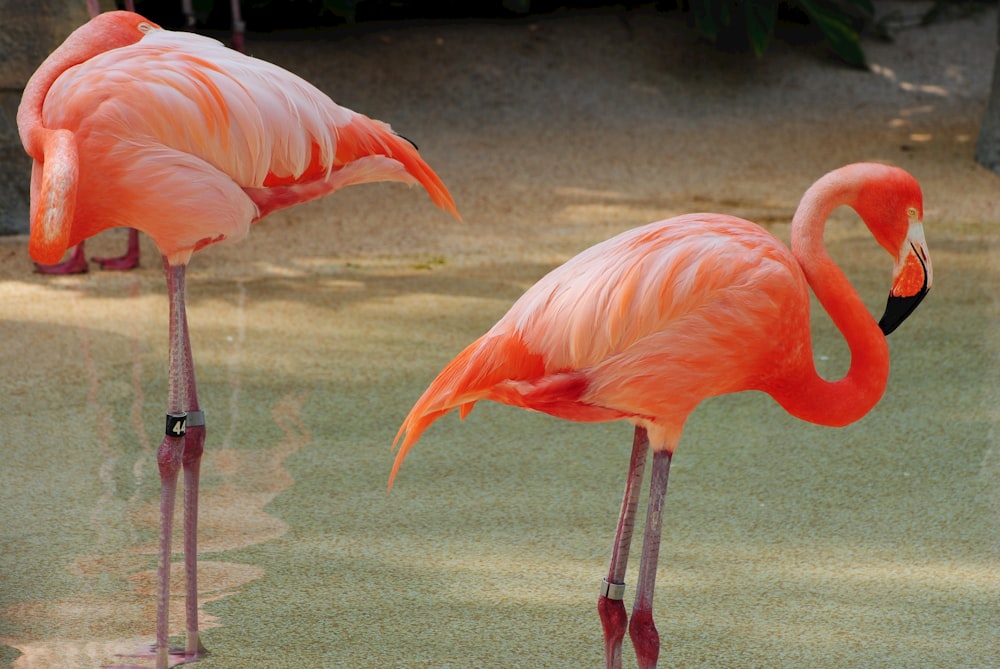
193, 647
187, 8
645, 638
239, 27
125, 262
610, 606
182, 448
75, 264
193, 448
168, 459
170, 455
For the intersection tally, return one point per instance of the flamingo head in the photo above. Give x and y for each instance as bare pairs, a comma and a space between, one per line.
891, 204
104, 32
118, 29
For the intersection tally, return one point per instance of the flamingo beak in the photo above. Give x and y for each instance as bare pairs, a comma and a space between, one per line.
912, 278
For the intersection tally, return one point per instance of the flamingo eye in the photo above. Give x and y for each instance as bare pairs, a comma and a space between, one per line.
912, 212
144, 27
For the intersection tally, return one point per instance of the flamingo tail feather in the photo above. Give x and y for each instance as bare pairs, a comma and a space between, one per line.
473, 375
367, 137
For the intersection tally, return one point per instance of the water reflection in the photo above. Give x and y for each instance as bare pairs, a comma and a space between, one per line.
112, 611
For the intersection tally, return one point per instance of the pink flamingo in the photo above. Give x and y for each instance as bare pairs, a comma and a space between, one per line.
646, 325
171, 133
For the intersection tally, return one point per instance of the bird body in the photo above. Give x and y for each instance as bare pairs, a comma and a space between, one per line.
639, 327
646, 325
189, 141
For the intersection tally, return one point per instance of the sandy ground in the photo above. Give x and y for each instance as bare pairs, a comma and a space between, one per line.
785, 544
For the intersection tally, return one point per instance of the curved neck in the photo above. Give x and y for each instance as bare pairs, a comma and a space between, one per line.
813, 398
29, 112
84, 43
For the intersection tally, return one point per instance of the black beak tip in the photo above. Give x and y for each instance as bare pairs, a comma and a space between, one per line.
897, 309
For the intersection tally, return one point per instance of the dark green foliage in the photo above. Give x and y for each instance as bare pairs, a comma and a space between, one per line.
732, 25
736, 24
742, 24
840, 22
345, 9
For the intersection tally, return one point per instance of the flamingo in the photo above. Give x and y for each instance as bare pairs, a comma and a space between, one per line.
173, 134
644, 326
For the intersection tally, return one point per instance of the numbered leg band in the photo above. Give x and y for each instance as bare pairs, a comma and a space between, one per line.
176, 424
612, 590
195, 418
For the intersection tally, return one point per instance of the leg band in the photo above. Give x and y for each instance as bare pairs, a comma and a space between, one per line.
176, 424
612, 590
195, 418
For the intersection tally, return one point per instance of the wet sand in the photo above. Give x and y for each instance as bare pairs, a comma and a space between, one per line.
785, 544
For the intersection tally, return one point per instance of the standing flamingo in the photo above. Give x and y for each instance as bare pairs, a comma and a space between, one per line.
646, 325
178, 136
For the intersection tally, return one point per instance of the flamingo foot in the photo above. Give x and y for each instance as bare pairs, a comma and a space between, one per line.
175, 657
645, 638
124, 262
613, 621
119, 263
75, 264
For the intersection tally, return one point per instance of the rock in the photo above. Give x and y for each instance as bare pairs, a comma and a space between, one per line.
31, 30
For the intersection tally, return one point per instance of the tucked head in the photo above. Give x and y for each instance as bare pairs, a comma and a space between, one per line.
104, 32
117, 29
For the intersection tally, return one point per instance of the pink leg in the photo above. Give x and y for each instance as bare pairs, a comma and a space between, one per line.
171, 452
609, 605
168, 458
128, 261
239, 28
193, 449
192, 468
187, 8
75, 264
645, 638
182, 448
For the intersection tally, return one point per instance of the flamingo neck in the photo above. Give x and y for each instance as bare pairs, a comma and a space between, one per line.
84, 43
29, 112
811, 397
